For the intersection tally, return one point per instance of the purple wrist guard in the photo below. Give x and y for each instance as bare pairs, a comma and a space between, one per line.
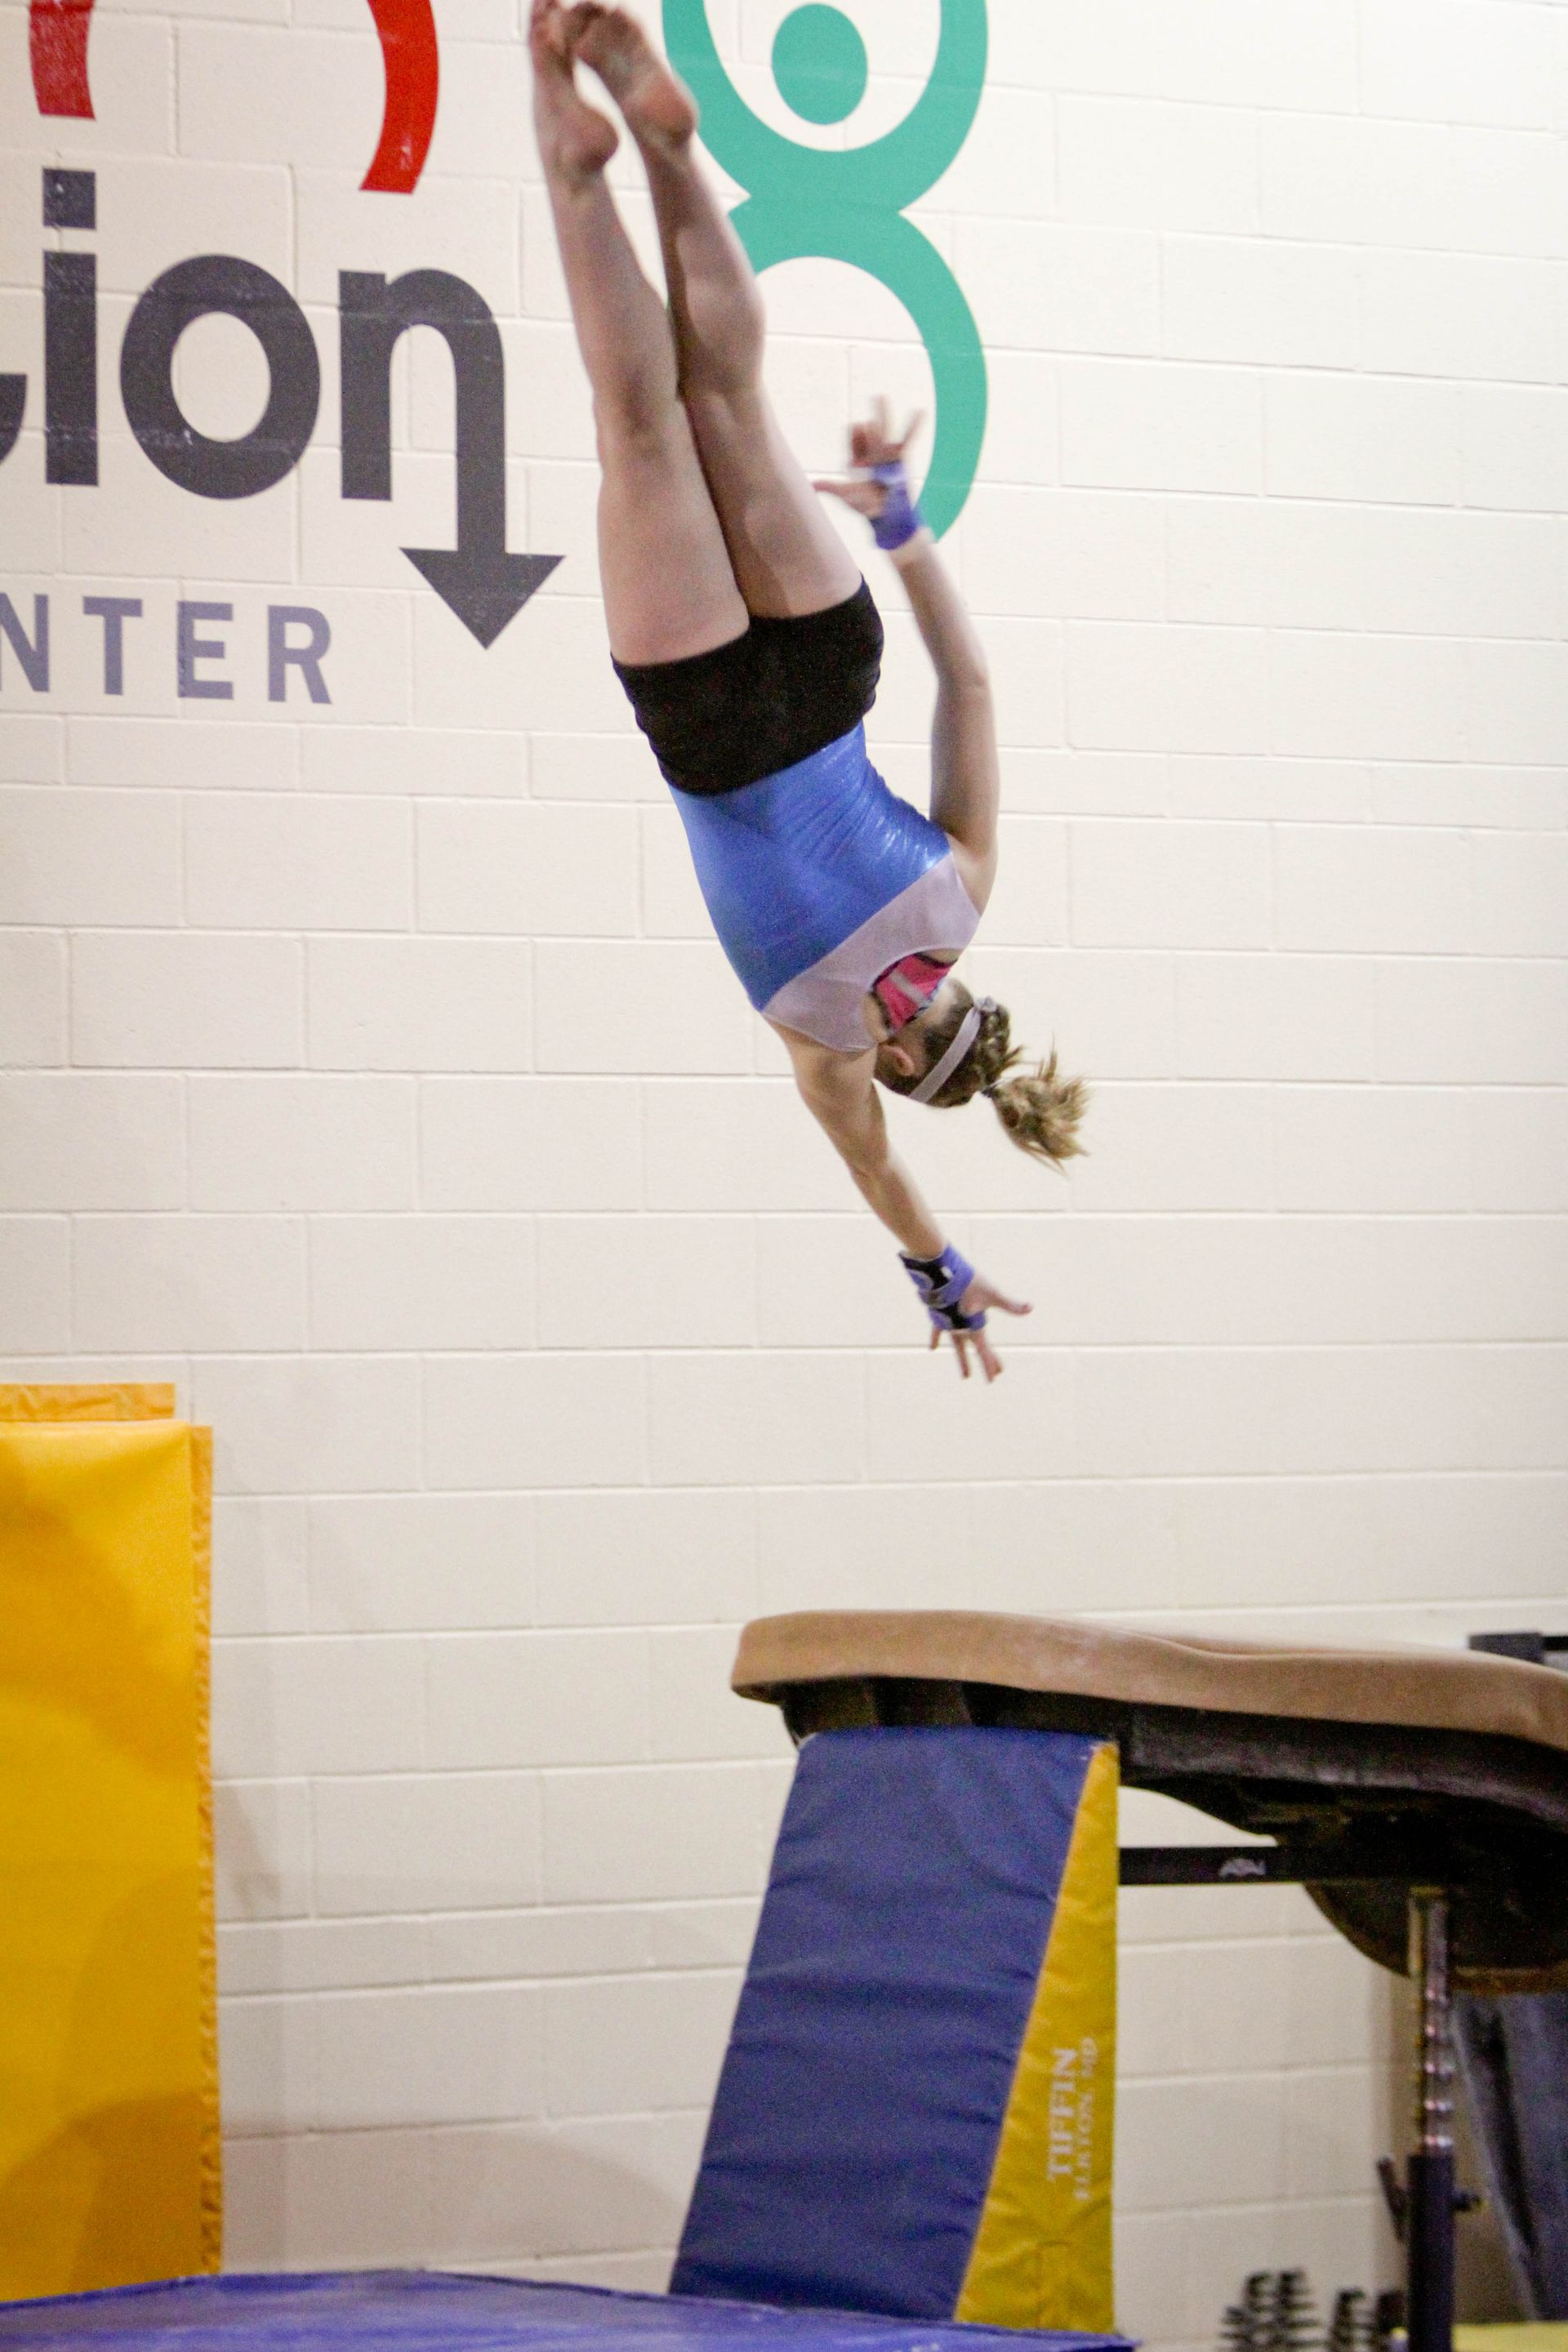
900, 518
941, 1283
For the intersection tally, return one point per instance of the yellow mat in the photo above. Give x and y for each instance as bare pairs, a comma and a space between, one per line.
1514, 2336
108, 2125
1042, 2252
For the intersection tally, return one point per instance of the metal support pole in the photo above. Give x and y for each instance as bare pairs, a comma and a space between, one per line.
1429, 2228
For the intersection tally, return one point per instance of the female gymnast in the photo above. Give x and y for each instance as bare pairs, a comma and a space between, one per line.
750, 648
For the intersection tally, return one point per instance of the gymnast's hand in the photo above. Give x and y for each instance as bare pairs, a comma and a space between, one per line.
980, 1296
957, 1299
872, 446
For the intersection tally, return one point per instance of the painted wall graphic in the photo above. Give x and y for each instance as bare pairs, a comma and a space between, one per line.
484, 585
483, 582
58, 33
848, 204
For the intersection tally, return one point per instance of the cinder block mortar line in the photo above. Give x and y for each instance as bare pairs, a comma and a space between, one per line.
542, 1772
893, 1351
41, 1368
445, 2127
1369, 2200
718, 1972
1144, 1616
837, 1218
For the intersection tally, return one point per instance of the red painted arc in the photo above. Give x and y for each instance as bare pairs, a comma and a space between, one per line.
412, 59
57, 41
411, 54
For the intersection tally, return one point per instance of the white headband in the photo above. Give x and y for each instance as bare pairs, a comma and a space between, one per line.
968, 1030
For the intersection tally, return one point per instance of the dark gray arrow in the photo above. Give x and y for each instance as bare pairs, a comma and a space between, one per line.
484, 585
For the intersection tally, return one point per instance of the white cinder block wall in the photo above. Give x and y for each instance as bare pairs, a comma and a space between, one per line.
368, 1070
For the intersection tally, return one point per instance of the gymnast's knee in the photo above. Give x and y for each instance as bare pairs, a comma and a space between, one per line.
725, 362
640, 419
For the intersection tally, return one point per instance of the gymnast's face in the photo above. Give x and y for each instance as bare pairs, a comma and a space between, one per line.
903, 1056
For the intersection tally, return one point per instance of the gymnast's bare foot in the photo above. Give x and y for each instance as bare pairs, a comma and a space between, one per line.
576, 141
660, 110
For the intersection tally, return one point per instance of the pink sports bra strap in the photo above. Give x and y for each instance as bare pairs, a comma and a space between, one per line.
907, 987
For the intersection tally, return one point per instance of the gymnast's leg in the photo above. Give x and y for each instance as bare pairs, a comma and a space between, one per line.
787, 557
668, 585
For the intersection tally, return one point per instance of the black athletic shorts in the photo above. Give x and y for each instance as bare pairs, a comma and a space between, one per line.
721, 719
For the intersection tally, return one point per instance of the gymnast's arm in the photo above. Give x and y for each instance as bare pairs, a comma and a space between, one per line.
965, 780
840, 1092
842, 1095
966, 772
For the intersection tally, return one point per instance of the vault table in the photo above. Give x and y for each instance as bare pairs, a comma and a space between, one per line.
1421, 1798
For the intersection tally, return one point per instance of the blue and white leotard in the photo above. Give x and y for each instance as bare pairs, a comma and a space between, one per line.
817, 878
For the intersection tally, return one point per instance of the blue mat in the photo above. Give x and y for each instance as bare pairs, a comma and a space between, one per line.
853, 2141
430, 2311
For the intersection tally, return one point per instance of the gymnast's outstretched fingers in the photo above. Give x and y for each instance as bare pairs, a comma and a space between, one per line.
978, 1299
871, 444
990, 1362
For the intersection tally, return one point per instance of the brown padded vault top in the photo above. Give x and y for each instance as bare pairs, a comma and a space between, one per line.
1435, 1690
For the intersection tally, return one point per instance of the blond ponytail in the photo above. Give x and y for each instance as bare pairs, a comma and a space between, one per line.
1040, 1108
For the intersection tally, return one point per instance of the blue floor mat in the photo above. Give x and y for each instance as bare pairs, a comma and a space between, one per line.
431, 2311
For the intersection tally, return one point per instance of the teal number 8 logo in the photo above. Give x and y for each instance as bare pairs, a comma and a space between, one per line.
847, 205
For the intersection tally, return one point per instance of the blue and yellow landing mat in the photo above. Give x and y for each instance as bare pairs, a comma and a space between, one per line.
424, 2311
915, 2114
